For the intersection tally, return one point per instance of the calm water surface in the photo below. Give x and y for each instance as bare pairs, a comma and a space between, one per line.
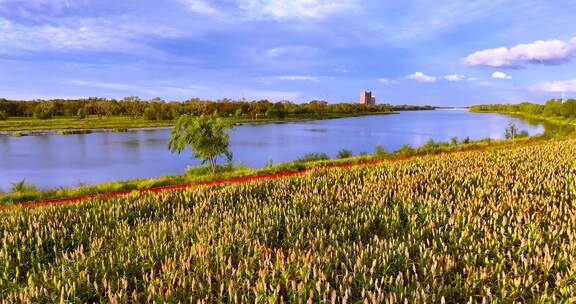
53, 161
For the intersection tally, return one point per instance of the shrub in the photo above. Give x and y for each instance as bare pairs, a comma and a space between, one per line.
44, 111
313, 157
207, 170
22, 187
405, 150
380, 150
275, 113
198, 170
81, 113
430, 144
344, 153
150, 114
3, 115
18, 134
73, 132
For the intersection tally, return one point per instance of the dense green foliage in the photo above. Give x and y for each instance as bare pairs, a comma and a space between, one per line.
22, 187
310, 157
497, 226
159, 110
344, 153
552, 108
206, 136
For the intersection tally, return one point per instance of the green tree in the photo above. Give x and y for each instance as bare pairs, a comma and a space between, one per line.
310, 157
553, 107
150, 114
511, 132
405, 150
380, 150
454, 140
344, 153
22, 187
205, 135
523, 134
81, 113
3, 115
569, 108
274, 113
430, 143
44, 110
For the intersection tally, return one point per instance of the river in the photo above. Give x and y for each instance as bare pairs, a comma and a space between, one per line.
55, 160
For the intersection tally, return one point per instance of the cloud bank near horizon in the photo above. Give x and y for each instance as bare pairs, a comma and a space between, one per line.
549, 52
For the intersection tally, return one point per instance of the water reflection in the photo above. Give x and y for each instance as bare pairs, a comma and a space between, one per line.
52, 161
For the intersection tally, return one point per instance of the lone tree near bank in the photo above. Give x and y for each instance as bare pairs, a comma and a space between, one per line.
205, 135
511, 132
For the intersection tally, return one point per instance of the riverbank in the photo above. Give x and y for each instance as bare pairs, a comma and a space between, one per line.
62, 126
555, 120
28, 193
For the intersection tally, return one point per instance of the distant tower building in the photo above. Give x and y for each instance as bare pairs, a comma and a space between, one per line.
367, 98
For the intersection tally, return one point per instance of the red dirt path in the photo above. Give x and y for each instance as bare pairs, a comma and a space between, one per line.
235, 180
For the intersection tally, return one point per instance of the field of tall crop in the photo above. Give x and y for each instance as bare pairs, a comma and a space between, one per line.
496, 226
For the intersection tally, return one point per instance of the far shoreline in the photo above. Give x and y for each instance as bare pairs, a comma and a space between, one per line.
167, 125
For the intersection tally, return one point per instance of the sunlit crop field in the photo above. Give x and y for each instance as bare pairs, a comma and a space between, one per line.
472, 227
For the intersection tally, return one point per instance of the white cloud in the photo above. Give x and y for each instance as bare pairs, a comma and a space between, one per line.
455, 77
388, 81
199, 6
538, 52
556, 86
292, 50
298, 78
501, 75
290, 9
80, 34
421, 77
341, 70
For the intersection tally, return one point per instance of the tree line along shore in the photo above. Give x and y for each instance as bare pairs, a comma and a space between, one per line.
132, 112
556, 110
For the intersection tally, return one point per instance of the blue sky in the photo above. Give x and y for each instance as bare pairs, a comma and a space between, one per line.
413, 51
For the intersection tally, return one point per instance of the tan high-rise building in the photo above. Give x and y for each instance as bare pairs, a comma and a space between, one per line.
367, 98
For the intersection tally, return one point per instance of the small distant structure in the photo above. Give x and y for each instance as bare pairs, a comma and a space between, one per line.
367, 98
